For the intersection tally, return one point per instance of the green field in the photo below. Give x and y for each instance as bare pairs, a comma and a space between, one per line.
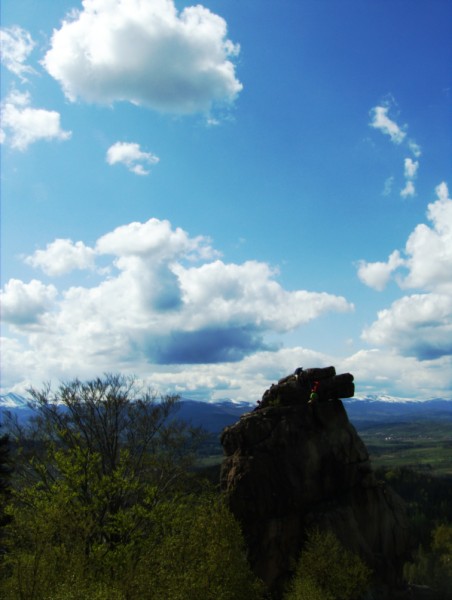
421, 445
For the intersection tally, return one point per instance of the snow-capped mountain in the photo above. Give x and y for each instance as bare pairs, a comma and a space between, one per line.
214, 416
13, 401
382, 398
383, 408
16, 406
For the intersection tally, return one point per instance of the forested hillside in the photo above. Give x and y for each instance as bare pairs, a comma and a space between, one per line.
101, 497
105, 504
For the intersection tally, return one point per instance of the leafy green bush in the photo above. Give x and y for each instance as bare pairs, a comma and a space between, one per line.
201, 554
432, 566
106, 509
185, 547
327, 571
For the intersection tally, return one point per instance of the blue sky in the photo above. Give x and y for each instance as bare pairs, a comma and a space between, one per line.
209, 196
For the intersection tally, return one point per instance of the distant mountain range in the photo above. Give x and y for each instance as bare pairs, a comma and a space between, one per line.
214, 416
386, 409
16, 405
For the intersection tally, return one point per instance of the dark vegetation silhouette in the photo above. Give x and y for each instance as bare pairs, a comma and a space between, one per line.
429, 501
326, 570
106, 502
5, 486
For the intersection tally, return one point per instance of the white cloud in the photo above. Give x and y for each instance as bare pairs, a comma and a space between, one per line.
411, 167
18, 367
245, 380
155, 240
131, 155
381, 121
378, 371
23, 304
158, 307
410, 171
428, 253
430, 248
16, 44
409, 190
377, 274
375, 371
415, 148
26, 125
146, 53
215, 292
421, 324
172, 313
62, 256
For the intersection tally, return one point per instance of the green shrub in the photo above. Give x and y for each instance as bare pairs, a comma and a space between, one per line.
106, 510
433, 566
201, 555
327, 571
185, 547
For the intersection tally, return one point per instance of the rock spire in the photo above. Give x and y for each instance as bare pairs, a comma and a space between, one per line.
296, 462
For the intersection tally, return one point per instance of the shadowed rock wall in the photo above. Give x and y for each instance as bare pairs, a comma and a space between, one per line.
297, 465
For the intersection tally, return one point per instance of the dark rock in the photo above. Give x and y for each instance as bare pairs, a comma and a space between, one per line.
297, 465
310, 384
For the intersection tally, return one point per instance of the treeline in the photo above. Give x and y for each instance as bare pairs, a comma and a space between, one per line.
429, 503
109, 508
100, 500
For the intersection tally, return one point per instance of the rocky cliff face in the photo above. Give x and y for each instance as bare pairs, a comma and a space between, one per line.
293, 464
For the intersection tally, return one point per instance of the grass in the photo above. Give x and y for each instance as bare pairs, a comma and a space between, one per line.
421, 445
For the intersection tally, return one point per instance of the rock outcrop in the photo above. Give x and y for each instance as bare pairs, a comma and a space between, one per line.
296, 462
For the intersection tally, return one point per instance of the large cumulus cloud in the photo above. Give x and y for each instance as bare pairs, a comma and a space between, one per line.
144, 52
429, 248
165, 298
419, 324
24, 304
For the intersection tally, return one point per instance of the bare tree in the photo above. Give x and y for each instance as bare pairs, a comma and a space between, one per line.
118, 422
